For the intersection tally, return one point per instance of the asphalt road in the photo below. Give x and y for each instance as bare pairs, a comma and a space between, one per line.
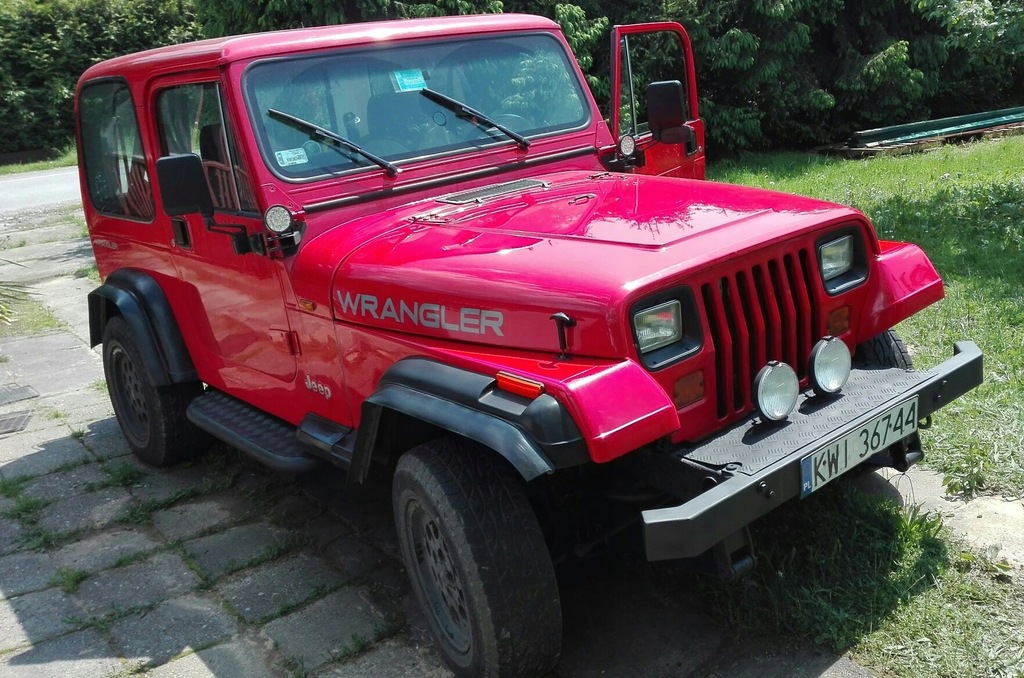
37, 190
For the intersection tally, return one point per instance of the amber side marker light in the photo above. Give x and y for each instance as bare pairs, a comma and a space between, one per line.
688, 389
521, 386
838, 321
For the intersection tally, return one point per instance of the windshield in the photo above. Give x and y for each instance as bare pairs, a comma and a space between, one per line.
373, 99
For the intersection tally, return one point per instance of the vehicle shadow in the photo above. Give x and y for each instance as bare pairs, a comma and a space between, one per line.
818, 569
833, 566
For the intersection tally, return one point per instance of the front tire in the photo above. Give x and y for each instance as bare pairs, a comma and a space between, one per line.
152, 418
884, 350
477, 560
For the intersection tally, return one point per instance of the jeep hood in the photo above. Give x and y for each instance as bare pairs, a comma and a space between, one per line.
493, 264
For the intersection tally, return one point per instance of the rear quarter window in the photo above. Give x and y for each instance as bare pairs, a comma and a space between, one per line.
112, 152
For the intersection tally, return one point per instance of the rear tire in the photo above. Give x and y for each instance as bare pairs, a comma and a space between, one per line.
477, 560
152, 418
884, 350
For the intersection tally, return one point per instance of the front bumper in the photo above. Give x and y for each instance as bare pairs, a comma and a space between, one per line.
773, 476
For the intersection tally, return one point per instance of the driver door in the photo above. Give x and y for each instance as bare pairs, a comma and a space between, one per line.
646, 53
236, 310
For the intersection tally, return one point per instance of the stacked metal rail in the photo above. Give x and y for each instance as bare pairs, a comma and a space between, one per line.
920, 136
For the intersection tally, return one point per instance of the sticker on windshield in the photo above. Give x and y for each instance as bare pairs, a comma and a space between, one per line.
292, 156
411, 80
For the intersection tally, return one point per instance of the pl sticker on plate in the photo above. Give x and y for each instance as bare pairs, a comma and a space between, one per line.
292, 156
410, 80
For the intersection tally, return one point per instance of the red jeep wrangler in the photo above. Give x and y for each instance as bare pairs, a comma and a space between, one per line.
418, 248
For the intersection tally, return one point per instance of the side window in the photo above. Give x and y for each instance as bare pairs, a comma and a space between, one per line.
646, 58
115, 164
192, 120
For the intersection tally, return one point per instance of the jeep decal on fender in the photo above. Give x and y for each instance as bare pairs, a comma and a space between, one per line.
318, 387
465, 320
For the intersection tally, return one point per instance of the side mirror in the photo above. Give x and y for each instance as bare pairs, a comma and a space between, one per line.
666, 112
184, 190
183, 186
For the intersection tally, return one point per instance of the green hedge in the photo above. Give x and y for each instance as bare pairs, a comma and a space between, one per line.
772, 73
46, 45
798, 73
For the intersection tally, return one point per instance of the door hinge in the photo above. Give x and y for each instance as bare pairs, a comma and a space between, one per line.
292, 339
288, 339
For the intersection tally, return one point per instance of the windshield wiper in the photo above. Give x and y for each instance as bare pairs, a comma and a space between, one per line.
316, 131
461, 110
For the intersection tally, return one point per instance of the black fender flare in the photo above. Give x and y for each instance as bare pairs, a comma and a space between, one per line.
535, 436
139, 300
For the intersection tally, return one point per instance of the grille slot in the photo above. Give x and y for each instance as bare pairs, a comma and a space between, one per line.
756, 314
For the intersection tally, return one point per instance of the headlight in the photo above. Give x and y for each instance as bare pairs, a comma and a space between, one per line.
658, 326
829, 365
776, 388
836, 257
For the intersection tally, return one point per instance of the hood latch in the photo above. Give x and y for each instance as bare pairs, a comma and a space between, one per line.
563, 321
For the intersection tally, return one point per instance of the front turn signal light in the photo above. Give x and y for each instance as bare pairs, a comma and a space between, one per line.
838, 321
688, 389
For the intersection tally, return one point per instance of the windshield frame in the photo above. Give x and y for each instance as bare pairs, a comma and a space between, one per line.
484, 142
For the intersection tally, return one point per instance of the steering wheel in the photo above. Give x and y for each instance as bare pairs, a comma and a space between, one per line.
513, 121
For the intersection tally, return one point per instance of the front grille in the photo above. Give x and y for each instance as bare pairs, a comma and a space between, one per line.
766, 311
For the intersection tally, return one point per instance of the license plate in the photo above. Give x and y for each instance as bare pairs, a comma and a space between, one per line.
824, 465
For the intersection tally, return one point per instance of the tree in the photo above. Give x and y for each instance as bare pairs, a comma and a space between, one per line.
45, 47
985, 43
772, 73
229, 17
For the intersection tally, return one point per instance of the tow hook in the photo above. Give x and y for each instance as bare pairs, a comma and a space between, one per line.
900, 456
904, 456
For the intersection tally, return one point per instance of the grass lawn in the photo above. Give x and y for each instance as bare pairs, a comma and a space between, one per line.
859, 573
68, 159
27, 317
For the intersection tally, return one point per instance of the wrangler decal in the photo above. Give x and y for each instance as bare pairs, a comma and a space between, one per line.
436, 316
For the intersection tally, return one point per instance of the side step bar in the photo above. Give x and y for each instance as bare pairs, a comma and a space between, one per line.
269, 440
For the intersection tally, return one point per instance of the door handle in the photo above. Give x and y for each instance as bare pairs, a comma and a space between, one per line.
182, 237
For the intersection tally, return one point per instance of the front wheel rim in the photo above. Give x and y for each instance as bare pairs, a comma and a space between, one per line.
130, 394
438, 577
